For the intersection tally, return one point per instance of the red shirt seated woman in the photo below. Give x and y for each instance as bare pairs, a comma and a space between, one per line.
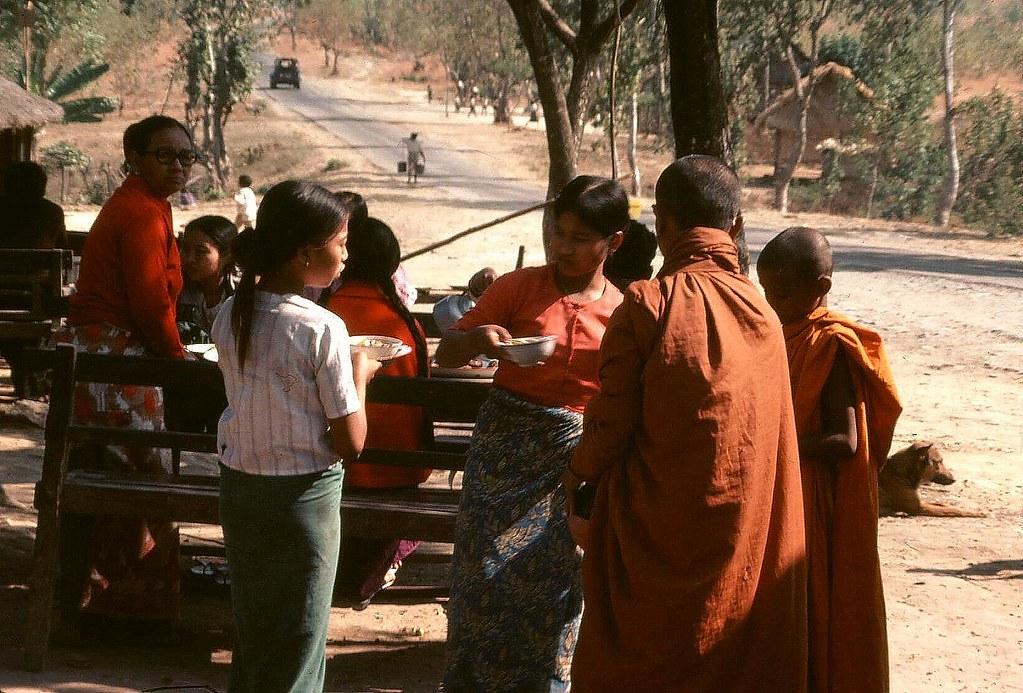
369, 304
128, 284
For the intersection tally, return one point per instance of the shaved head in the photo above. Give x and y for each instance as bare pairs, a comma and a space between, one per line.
699, 190
800, 253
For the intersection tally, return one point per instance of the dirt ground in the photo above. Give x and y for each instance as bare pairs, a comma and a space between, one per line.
953, 586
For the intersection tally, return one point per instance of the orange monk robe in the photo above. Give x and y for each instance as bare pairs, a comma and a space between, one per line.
848, 640
694, 578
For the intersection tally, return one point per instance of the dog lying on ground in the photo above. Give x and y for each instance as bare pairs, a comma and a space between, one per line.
901, 477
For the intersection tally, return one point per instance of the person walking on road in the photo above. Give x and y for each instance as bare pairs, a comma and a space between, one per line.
415, 156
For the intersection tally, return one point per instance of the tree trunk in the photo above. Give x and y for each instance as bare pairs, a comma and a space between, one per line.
783, 175
561, 142
633, 137
663, 102
698, 114
951, 187
333, 68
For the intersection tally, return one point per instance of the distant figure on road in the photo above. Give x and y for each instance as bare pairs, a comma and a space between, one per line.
415, 156
245, 204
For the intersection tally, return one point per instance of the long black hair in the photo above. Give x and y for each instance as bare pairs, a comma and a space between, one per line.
221, 232
373, 255
293, 215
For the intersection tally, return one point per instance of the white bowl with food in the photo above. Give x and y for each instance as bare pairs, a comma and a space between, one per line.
205, 351
528, 351
379, 347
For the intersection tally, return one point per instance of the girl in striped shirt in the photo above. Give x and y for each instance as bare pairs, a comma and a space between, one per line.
296, 410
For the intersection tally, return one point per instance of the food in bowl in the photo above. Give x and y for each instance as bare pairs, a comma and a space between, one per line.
528, 351
380, 347
206, 351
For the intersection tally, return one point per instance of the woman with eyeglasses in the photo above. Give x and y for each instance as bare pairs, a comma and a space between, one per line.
127, 289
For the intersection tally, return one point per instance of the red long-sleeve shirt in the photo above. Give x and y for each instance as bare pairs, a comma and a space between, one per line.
131, 271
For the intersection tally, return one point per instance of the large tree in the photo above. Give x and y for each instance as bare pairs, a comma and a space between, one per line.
219, 66
698, 112
558, 49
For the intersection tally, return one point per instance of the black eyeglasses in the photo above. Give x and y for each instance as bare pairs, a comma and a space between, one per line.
166, 155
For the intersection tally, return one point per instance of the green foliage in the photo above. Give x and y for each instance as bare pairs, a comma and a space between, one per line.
220, 68
643, 46
991, 189
63, 156
905, 151
844, 49
990, 37
334, 165
90, 109
65, 31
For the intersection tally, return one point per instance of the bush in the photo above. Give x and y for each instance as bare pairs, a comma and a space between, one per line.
991, 154
63, 156
334, 165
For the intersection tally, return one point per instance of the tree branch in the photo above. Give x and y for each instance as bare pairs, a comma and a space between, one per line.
604, 28
556, 24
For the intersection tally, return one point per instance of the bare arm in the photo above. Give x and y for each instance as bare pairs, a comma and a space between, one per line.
348, 433
838, 440
458, 348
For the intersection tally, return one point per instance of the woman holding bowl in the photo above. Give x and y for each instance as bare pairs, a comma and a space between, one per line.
516, 597
129, 282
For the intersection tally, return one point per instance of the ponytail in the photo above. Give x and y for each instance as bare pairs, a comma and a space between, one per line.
248, 254
294, 215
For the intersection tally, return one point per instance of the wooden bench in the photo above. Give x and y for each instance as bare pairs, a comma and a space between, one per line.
31, 284
31, 300
426, 514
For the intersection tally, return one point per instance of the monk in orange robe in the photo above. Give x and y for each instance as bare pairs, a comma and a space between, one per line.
846, 408
693, 577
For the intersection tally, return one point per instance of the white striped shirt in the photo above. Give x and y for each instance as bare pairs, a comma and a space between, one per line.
298, 374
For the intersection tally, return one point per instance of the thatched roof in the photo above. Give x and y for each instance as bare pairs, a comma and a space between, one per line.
22, 109
783, 112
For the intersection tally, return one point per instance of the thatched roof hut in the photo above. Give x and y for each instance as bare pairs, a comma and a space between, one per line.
21, 109
21, 114
824, 119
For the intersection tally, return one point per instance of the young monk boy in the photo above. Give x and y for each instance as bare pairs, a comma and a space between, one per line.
846, 407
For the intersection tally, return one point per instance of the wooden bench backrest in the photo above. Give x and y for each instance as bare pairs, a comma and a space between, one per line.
31, 282
444, 401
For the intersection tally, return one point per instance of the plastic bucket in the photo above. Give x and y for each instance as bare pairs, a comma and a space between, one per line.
635, 207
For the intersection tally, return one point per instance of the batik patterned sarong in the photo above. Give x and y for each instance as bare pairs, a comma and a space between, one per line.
516, 597
132, 564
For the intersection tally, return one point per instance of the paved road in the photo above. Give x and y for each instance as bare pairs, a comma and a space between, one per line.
469, 176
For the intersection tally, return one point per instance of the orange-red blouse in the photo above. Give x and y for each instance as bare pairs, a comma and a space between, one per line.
528, 302
365, 310
131, 271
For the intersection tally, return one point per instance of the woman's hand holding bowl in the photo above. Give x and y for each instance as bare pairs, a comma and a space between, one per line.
488, 339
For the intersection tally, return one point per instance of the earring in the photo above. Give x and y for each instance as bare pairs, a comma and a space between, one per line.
307, 263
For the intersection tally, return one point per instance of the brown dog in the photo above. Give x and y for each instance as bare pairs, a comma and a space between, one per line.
901, 477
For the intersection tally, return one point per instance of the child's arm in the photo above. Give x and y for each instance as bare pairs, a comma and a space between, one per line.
348, 433
838, 439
